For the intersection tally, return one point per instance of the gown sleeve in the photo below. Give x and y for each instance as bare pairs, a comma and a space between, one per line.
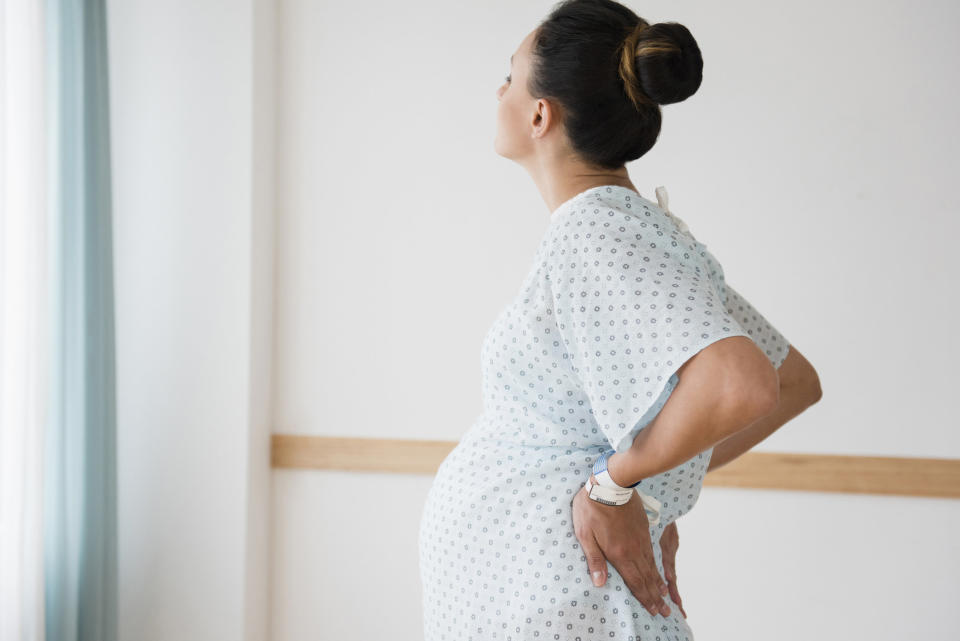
765, 335
629, 315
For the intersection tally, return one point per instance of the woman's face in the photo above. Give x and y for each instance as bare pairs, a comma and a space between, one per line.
517, 111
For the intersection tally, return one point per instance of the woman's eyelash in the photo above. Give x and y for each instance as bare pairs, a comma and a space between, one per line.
507, 78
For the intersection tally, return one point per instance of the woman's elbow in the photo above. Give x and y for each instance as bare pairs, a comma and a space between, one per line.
750, 387
756, 388
799, 376
816, 392
760, 392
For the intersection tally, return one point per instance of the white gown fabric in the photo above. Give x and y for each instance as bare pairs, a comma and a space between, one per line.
619, 296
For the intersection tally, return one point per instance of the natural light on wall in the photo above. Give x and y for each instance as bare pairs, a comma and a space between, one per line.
23, 297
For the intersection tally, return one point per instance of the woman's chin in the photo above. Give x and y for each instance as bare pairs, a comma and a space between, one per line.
498, 147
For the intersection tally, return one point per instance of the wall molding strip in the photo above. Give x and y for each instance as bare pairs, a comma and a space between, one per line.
901, 476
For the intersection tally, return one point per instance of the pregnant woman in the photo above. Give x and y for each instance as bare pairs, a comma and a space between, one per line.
622, 371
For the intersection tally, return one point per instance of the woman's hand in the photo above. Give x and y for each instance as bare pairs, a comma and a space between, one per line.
620, 534
669, 542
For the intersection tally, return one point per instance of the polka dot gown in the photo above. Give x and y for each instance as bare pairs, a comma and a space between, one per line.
619, 296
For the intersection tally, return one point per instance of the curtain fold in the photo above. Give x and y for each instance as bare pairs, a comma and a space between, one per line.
58, 489
80, 500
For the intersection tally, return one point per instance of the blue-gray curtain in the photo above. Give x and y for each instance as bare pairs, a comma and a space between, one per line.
80, 475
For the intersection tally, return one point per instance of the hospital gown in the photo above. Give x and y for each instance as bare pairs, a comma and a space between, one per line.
619, 296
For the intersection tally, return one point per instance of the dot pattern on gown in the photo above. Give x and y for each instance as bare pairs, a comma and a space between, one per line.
584, 357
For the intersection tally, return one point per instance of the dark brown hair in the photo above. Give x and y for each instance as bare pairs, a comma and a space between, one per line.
608, 71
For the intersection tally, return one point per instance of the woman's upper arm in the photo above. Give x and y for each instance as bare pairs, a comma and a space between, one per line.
738, 371
793, 369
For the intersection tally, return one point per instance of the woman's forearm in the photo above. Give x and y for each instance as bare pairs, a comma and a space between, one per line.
793, 401
705, 407
701, 414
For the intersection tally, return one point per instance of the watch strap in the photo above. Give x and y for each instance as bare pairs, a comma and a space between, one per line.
608, 495
613, 496
603, 475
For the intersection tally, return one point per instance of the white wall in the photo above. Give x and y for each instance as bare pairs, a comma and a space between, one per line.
816, 162
191, 117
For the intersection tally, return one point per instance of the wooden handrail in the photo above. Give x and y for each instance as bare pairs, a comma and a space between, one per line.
901, 476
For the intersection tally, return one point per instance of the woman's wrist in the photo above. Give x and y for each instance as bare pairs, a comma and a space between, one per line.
604, 488
618, 467
593, 481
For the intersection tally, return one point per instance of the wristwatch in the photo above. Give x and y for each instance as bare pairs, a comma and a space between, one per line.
606, 491
608, 495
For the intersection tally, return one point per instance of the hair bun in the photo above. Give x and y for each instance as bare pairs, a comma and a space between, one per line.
666, 60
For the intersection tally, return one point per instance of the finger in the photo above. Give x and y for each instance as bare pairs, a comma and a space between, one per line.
631, 576
659, 584
660, 589
596, 562
675, 595
668, 572
643, 589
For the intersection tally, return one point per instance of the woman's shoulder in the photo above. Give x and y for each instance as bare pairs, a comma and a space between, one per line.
607, 229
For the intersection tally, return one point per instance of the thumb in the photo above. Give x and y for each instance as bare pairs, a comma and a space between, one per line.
596, 562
